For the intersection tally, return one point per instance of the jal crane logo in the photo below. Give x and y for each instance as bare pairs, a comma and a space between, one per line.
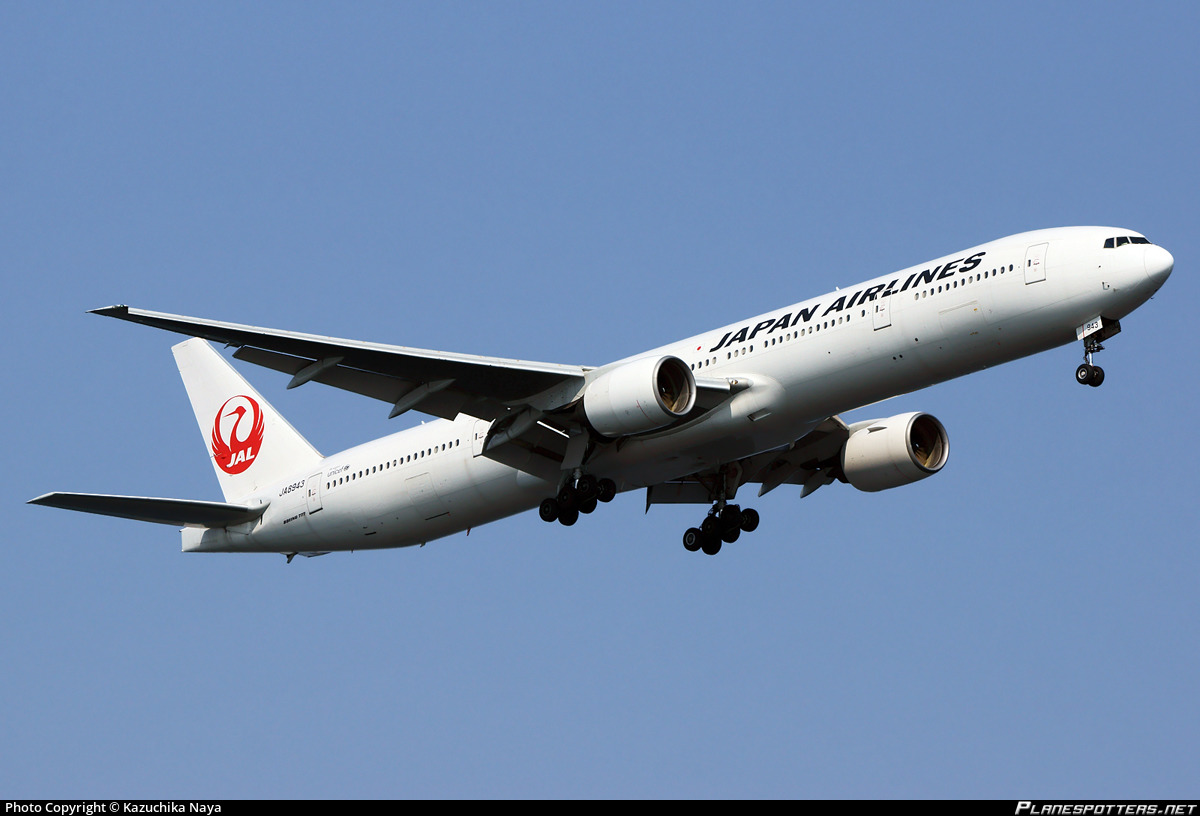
237, 434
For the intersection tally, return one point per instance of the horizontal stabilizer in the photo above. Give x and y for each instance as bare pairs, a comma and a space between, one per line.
177, 512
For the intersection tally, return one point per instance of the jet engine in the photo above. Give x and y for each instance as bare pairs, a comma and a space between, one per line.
899, 450
640, 396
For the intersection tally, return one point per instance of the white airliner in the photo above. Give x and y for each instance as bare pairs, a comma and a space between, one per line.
755, 402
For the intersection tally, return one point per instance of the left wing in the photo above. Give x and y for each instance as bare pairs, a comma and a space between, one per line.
440, 383
811, 461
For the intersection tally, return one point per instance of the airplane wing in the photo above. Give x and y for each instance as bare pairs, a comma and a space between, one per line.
811, 461
177, 512
443, 384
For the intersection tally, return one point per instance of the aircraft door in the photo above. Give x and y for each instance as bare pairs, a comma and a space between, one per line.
313, 492
1035, 263
479, 436
424, 497
883, 313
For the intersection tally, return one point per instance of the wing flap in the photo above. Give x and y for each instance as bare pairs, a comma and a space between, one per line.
176, 512
446, 403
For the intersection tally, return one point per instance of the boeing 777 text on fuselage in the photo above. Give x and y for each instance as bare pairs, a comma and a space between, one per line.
755, 402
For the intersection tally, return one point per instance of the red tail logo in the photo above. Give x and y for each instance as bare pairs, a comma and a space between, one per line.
236, 437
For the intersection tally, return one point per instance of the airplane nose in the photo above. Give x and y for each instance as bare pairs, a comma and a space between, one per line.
1159, 264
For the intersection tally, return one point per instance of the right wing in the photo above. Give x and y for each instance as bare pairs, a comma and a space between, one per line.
440, 383
537, 420
177, 512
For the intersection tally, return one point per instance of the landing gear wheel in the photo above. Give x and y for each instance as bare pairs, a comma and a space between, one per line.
710, 526
587, 505
692, 539
731, 518
586, 488
568, 516
1085, 374
606, 490
711, 545
567, 499
548, 510
731, 535
1097, 376
749, 520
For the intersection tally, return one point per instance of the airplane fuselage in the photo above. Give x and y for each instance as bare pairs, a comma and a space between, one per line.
797, 366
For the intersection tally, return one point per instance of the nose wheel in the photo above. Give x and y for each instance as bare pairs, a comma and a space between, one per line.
1089, 374
723, 525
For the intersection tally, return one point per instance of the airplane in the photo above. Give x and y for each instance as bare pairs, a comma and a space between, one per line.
754, 403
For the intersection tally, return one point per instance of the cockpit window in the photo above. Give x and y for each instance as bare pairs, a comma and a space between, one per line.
1122, 240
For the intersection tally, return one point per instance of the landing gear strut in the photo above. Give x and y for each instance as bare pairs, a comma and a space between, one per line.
1088, 374
725, 523
575, 498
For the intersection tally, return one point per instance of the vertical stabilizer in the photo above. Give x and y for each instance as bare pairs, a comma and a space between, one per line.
250, 444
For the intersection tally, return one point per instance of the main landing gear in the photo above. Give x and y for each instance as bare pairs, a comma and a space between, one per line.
1088, 374
725, 524
580, 497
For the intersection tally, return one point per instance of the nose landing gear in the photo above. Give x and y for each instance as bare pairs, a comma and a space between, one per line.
1088, 374
1093, 333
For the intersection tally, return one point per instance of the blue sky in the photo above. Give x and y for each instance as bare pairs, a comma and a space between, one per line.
574, 184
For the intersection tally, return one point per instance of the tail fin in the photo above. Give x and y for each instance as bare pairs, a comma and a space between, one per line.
251, 445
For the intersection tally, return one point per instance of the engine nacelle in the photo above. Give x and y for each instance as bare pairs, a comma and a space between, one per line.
640, 396
899, 450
